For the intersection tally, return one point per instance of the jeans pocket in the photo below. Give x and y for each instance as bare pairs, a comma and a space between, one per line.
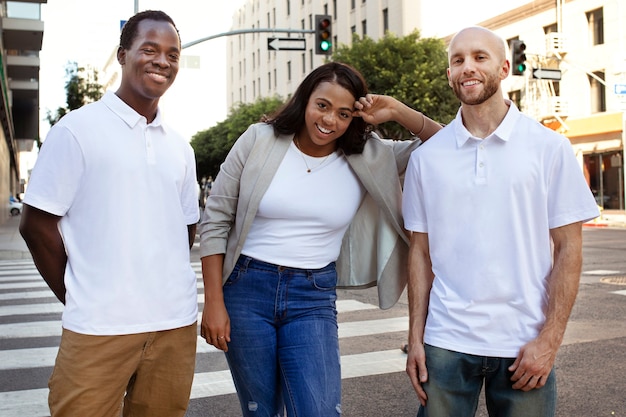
235, 275
324, 281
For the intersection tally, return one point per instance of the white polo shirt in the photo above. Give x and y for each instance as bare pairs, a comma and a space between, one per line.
488, 206
126, 191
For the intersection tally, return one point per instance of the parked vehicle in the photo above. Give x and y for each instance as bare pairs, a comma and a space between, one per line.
15, 207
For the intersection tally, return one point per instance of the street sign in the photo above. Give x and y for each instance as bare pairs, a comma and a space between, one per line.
286, 44
547, 74
620, 88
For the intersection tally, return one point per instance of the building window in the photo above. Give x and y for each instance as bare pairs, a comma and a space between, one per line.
288, 70
598, 92
516, 97
385, 20
596, 26
303, 63
352, 4
364, 27
288, 7
352, 29
269, 80
550, 29
335, 9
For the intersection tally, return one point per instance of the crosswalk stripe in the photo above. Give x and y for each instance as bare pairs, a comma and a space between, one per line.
57, 307
26, 295
37, 357
210, 384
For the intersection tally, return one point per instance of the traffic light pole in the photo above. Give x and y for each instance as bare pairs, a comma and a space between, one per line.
242, 31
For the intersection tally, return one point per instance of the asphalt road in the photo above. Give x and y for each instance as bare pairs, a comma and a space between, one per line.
590, 366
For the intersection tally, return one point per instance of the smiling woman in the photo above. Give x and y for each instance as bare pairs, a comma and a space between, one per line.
285, 199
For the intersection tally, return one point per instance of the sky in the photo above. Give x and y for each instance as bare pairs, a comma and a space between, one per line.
87, 32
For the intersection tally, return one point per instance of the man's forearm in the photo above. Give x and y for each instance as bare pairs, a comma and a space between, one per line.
563, 281
40, 232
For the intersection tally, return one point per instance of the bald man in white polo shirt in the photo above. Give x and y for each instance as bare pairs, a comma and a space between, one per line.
486, 199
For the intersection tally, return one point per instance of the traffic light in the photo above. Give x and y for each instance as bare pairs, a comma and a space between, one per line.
323, 34
518, 57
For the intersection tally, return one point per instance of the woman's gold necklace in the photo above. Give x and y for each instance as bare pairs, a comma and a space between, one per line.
309, 169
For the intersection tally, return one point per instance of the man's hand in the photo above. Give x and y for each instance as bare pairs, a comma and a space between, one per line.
416, 369
533, 365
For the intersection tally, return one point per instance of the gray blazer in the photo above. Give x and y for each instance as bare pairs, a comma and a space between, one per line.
374, 250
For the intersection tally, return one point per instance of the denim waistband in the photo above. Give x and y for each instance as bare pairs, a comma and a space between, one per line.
249, 262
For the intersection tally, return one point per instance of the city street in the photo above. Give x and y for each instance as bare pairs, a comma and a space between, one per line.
590, 367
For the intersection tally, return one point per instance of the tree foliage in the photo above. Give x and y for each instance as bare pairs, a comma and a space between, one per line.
409, 68
212, 145
81, 88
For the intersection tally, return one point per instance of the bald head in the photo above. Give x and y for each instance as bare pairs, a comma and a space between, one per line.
477, 37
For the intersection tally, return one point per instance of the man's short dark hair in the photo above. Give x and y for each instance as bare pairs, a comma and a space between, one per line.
129, 30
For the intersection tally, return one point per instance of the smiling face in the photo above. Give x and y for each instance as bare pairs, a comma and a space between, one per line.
478, 64
149, 66
327, 117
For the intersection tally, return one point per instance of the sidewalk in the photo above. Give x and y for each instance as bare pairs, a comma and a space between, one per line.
12, 246
609, 218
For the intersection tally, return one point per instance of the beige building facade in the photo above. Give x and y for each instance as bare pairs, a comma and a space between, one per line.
582, 42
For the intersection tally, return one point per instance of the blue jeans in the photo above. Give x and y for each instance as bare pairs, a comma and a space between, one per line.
284, 348
456, 379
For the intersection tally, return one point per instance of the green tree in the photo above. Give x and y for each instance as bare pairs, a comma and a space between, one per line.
81, 88
409, 68
212, 145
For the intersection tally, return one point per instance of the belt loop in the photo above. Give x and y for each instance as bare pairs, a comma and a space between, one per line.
246, 261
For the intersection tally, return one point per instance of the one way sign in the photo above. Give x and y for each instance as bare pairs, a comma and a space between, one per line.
286, 44
547, 74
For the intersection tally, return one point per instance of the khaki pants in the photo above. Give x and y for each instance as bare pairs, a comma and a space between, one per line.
146, 374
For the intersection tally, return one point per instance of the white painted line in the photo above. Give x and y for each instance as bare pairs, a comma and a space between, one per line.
343, 306
12, 359
6, 274
620, 292
373, 363
34, 403
45, 356
26, 295
20, 285
601, 272
22, 309
32, 329
31, 403
212, 384
370, 327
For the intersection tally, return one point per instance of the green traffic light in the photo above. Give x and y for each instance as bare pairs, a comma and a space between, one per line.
521, 67
325, 45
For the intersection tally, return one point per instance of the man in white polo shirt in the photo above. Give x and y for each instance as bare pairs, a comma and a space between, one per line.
110, 215
495, 202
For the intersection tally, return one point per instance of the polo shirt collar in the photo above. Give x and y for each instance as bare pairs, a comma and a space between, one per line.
127, 113
504, 131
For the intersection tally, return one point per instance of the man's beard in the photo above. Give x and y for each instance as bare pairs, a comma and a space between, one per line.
491, 85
